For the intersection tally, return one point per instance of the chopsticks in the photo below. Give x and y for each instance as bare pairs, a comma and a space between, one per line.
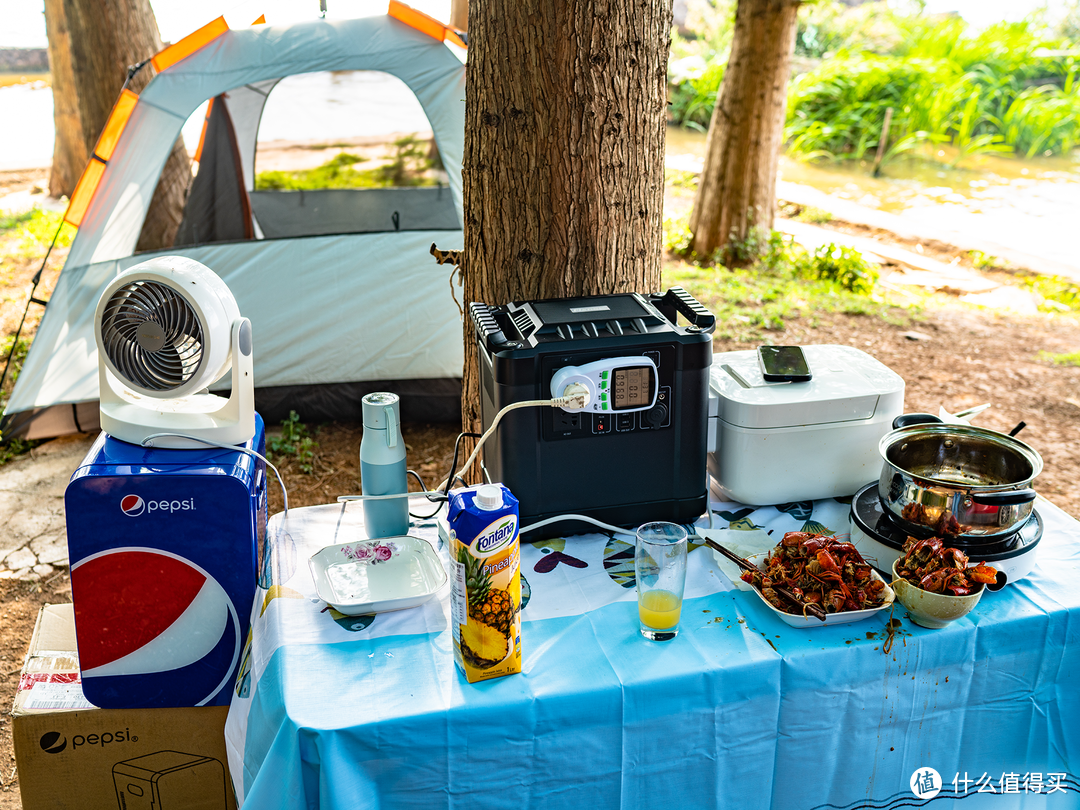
746, 565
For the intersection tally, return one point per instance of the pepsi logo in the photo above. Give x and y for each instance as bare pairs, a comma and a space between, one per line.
53, 742
133, 505
145, 612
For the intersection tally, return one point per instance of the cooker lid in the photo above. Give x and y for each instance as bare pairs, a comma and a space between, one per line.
848, 385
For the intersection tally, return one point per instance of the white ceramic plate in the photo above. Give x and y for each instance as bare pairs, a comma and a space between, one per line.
374, 576
809, 621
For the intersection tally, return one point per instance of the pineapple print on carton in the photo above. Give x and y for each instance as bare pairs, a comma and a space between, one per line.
488, 638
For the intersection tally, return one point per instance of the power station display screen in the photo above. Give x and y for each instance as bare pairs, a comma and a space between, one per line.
632, 388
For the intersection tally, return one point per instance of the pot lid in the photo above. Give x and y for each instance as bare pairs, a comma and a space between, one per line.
847, 385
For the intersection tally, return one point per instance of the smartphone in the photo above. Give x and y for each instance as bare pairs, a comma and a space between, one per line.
783, 364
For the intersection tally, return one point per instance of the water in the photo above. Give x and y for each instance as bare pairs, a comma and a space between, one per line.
315, 106
26, 126
1028, 205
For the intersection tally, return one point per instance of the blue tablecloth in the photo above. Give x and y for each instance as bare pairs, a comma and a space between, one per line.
739, 711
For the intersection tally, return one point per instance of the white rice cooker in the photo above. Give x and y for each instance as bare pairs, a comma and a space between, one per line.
781, 442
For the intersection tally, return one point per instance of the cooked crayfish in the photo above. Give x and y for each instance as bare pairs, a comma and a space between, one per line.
930, 565
819, 570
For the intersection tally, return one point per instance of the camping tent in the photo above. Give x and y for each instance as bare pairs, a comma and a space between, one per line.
342, 294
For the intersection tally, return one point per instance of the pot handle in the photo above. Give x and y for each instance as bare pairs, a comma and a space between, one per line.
1012, 498
905, 419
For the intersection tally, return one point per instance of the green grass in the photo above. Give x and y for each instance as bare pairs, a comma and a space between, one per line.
1071, 359
677, 178
27, 235
1058, 294
786, 284
815, 216
407, 166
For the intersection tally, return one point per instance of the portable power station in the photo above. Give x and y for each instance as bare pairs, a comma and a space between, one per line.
637, 452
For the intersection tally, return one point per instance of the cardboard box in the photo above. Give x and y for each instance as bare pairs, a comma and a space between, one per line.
74, 756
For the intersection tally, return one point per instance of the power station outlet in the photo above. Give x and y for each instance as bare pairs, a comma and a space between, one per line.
564, 422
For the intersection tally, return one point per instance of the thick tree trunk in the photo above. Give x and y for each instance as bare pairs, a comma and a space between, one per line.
736, 195
69, 149
564, 153
104, 38
459, 14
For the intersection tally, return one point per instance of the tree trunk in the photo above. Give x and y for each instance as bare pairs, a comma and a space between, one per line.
564, 153
69, 149
459, 14
104, 38
736, 194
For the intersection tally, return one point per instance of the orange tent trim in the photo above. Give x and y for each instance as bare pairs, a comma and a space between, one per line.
84, 192
118, 119
189, 44
422, 22
95, 167
202, 133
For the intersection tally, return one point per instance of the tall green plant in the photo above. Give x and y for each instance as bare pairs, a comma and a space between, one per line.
994, 91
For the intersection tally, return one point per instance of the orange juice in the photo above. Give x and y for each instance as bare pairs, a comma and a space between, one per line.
659, 609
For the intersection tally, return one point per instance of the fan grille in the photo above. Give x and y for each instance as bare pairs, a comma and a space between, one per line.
152, 336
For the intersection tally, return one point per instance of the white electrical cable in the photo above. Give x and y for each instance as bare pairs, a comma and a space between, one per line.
586, 518
343, 498
149, 442
579, 399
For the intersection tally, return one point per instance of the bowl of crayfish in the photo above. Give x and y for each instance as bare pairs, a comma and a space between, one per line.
935, 582
817, 570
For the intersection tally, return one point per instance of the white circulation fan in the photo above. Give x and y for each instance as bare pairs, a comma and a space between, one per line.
166, 330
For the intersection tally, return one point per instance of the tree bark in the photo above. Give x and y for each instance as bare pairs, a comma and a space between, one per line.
104, 38
736, 194
69, 149
564, 153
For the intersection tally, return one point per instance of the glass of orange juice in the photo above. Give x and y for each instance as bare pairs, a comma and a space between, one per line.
660, 569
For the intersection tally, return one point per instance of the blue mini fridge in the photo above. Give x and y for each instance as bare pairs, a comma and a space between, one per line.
164, 547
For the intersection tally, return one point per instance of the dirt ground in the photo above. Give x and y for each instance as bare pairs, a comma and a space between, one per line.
963, 356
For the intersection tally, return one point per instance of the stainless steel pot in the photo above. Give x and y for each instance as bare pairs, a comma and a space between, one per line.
955, 480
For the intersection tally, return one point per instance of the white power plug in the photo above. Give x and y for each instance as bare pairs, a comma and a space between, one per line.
579, 396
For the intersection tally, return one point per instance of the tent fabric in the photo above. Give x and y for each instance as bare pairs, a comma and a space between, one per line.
218, 208
341, 308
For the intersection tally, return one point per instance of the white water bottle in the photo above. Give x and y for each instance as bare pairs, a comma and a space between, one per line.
382, 467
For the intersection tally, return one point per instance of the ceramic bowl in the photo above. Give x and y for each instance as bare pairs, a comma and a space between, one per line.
809, 622
932, 609
374, 576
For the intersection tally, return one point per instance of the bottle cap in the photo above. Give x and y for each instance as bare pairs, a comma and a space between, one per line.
488, 497
375, 407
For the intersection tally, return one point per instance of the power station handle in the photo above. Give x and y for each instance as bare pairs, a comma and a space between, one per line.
689, 307
487, 328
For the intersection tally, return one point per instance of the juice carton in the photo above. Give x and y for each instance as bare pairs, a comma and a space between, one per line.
486, 594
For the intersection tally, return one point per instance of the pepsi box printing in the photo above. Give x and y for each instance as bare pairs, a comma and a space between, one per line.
164, 548
624, 468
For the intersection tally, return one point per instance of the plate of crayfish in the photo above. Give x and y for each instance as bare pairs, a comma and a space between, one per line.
820, 570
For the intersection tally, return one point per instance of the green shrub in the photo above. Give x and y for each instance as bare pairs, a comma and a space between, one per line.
842, 265
295, 441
